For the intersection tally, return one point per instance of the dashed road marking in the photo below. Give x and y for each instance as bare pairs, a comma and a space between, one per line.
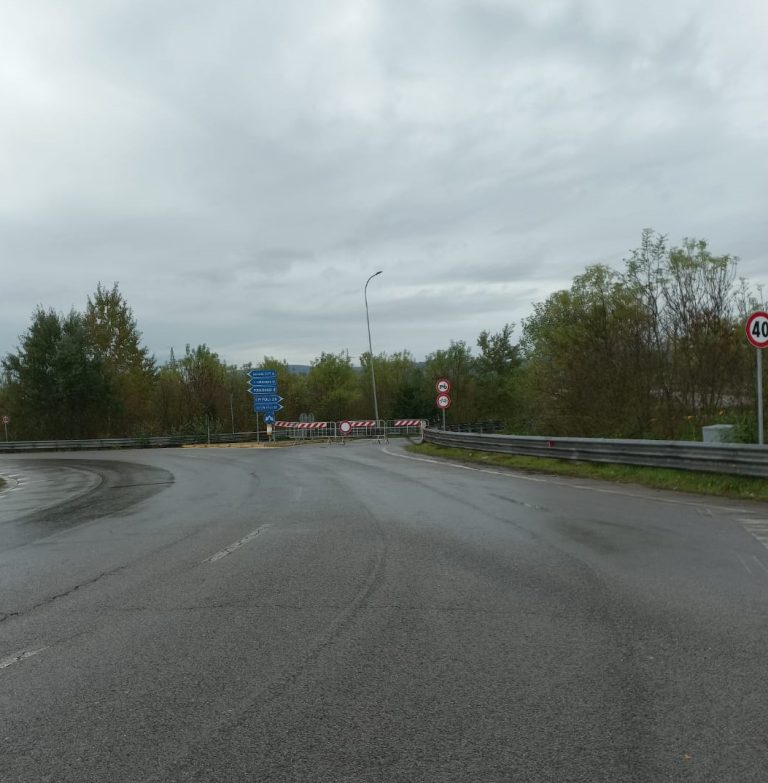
760, 563
756, 527
19, 656
232, 547
744, 563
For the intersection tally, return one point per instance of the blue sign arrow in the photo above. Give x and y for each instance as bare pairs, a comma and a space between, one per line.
264, 374
271, 398
267, 407
269, 418
262, 387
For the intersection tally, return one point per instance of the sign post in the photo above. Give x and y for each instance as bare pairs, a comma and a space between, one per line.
443, 399
757, 334
262, 384
6, 422
760, 430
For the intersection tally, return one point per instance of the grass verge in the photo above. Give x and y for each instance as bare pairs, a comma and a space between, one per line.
719, 484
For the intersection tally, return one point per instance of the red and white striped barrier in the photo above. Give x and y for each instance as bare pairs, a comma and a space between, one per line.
302, 425
359, 424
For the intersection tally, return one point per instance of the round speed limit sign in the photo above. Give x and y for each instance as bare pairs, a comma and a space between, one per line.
757, 329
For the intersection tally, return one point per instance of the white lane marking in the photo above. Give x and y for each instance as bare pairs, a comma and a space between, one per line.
550, 479
755, 522
743, 562
232, 547
758, 528
760, 563
19, 656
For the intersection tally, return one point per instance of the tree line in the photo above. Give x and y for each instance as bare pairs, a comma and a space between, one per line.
654, 348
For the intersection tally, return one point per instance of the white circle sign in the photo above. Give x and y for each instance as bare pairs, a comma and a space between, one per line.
345, 427
443, 401
443, 386
757, 329
6, 419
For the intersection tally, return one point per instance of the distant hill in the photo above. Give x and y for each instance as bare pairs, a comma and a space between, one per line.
303, 369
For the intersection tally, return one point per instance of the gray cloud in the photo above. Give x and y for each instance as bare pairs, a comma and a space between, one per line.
242, 168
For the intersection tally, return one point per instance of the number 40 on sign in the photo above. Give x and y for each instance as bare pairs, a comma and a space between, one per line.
757, 329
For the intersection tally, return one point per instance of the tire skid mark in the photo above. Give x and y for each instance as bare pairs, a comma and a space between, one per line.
264, 696
21, 655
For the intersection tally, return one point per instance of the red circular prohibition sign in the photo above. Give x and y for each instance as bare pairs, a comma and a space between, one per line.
757, 329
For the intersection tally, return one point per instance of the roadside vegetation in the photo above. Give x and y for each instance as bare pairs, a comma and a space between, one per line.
740, 487
652, 347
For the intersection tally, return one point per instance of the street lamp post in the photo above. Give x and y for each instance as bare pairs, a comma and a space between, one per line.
370, 347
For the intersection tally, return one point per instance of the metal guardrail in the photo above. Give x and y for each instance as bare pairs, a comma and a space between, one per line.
154, 442
384, 429
731, 458
477, 426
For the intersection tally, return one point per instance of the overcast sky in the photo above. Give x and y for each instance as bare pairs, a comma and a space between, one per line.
241, 168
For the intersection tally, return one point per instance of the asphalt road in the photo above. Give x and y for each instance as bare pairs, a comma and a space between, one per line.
329, 613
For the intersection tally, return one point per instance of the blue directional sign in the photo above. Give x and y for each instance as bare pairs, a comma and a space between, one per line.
266, 407
262, 387
269, 398
262, 375
262, 384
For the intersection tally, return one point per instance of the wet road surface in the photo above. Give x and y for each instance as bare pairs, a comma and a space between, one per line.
329, 613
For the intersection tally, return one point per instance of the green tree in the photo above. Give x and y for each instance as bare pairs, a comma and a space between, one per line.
205, 397
116, 340
457, 365
655, 350
332, 387
583, 349
694, 324
170, 406
55, 382
399, 382
496, 369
